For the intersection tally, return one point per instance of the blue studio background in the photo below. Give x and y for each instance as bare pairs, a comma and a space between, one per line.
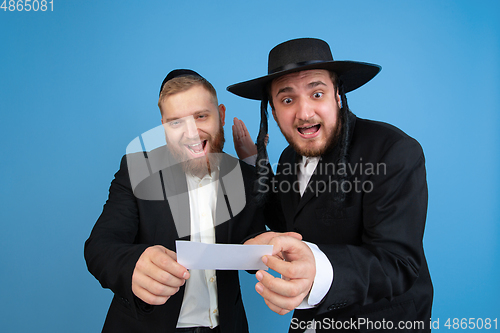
78, 83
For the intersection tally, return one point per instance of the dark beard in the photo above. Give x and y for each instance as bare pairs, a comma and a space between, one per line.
307, 152
205, 164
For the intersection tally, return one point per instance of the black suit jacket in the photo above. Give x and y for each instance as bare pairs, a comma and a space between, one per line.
152, 208
375, 244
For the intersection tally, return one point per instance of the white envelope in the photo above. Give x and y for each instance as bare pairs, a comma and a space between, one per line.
195, 255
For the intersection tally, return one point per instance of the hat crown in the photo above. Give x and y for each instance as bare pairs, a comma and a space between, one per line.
297, 53
305, 54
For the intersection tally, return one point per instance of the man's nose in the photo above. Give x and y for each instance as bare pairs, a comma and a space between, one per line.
191, 130
305, 111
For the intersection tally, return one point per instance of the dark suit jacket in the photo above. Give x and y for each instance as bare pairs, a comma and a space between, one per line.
375, 244
130, 223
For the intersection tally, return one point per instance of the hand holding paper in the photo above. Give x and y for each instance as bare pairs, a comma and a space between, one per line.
157, 275
294, 260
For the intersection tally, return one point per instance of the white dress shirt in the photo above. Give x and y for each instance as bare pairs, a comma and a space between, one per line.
200, 303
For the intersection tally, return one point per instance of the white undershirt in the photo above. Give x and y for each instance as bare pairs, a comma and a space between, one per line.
306, 169
200, 303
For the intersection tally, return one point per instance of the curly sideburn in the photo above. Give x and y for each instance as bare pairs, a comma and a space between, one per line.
263, 170
338, 207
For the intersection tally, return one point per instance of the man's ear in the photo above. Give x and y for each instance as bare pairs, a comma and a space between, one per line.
337, 97
274, 115
222, 114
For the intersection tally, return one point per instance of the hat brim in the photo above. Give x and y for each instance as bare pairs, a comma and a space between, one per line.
353, 75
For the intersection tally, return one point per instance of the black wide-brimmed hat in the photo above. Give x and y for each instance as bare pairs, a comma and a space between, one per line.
302, 54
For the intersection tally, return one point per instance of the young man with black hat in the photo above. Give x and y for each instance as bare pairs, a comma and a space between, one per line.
190, 190
355, 190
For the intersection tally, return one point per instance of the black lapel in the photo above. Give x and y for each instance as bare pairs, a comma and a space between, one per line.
223, 219
176, 192
224, 212
288, 185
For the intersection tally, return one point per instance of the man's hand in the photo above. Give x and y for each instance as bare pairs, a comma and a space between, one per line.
243, 143
295, 262
265, 237
157, 275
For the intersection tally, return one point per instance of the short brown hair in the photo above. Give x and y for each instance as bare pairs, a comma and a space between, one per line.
183, 83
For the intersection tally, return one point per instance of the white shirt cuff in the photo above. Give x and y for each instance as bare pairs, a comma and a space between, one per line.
250, 160
322, 280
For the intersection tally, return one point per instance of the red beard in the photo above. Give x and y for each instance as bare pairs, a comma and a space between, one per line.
204, 164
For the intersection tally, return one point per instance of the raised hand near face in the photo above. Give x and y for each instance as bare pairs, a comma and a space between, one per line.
243, 143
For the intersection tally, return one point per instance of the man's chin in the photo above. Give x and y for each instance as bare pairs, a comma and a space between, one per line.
313, 148
202, 165
308, 150
196, 166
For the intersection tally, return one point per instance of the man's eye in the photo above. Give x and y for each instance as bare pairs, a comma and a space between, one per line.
318, 94
174, 123
287, 100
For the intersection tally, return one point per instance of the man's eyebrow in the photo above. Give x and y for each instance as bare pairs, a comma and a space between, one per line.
315, 84
200, 112
309, 86
171, 119
197, 113
284, 90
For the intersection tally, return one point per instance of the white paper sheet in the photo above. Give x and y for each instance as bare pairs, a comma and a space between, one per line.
195, 255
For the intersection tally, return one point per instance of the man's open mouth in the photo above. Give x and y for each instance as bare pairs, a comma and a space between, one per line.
309, 131
197, 148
